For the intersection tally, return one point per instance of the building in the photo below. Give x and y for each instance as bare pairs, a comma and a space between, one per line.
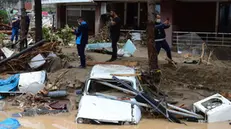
208, 19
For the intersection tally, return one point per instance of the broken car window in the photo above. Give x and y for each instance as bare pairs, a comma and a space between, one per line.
97, 87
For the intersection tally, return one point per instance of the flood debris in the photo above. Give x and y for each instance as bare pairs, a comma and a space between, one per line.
10, 123
6, 52
42, 55
32, 82
110, 87
215, 108
127, 50
38, 111
9, 84
92, 104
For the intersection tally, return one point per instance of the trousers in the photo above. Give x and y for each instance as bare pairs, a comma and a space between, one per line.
163, 44
14, 35
81, 52
114, 39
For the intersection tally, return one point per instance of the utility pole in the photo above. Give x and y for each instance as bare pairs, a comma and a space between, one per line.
23, 43
152, 53
38, 20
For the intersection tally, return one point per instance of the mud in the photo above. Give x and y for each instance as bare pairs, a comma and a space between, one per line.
66, 121
186, 84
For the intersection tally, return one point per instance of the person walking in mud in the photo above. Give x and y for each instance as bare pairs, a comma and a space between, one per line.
160, 41
115, 24
81, 40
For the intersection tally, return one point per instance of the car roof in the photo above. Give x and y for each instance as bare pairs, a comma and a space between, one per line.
104, 71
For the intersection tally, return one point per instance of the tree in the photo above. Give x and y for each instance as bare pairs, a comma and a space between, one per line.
154, 72
38, 20
23, 36
152, 53
7, 3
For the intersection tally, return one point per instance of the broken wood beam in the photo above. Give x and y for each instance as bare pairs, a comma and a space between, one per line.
125, 63
22, 52
8, 32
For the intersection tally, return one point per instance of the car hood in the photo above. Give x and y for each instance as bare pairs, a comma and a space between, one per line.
107, 110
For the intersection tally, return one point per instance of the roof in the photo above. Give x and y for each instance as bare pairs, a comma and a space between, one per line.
105, 71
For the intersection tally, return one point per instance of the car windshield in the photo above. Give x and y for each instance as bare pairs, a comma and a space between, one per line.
101, 86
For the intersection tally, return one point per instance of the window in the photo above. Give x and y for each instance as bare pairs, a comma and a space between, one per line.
101, 87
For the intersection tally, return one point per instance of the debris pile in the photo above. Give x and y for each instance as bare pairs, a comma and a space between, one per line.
46, 55
30, 100
102, 36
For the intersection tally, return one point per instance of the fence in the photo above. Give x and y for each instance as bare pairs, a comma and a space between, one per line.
197, 38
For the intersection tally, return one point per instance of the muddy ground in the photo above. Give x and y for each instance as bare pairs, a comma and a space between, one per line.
187, 84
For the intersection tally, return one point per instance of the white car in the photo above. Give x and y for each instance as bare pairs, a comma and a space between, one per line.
103, 102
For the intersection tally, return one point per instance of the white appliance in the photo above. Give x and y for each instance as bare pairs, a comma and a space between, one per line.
215, 108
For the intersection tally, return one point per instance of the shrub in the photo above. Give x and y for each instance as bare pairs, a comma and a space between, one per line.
66, 34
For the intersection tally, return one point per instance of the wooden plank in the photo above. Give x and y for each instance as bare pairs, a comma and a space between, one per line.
8, 32
125, 63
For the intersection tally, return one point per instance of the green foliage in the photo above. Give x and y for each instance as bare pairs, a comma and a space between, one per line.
46, 33
49, 35
4, 17
66, 34
2, 37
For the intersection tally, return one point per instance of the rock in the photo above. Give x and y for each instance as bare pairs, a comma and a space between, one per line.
54, 64
48, 86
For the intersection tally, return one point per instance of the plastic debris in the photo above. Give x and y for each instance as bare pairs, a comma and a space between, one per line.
10, 123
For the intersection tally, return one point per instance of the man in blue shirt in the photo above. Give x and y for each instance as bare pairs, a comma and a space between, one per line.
160, 36
82, 40
15, 28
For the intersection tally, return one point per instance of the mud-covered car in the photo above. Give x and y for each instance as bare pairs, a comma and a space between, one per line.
103, 101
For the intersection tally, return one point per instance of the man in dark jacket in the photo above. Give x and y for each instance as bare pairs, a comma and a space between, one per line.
114, 33
160, 36
82, 40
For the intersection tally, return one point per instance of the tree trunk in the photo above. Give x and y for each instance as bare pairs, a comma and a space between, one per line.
152, 53
38, 20
23, 43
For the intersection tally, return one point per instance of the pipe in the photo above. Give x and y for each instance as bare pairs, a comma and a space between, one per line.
22, 52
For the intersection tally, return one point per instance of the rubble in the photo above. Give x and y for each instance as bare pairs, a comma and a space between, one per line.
36, 59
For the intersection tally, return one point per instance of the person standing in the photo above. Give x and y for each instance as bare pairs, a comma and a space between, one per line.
82, 40
27, 23
15, 29
160, 36
115, 24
